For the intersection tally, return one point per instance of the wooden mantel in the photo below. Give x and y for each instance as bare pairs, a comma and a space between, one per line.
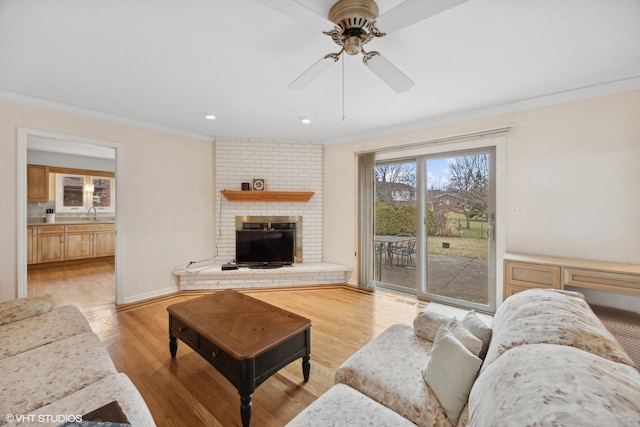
267, 196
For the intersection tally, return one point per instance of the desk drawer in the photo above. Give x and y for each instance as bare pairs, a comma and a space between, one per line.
217, 357
180, 330
611, 281
532, 275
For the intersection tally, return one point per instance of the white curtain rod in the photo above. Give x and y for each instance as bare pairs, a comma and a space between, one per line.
477, 134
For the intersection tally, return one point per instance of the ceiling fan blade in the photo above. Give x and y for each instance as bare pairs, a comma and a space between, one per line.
314, 71
293, 9
411, 11
318, 7
387, 72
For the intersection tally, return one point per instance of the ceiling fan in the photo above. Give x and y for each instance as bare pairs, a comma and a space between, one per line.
356, 24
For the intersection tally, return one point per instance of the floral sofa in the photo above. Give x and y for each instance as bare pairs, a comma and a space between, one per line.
547, 360
55, 370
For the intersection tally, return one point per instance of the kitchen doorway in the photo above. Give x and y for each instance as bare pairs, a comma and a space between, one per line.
90, 283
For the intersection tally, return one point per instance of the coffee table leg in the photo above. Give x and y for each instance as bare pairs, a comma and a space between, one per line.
306, 367
245, 410
173, 345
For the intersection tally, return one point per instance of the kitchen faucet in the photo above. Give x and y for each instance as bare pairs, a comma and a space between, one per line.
95, 212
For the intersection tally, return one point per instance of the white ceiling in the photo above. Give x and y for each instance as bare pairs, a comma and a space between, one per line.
166, 63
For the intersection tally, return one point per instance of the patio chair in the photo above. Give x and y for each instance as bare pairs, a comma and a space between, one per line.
404, 252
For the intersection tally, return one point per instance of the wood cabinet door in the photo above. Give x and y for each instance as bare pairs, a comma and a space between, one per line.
37, 183
78, 245
32, 245
104, 243
50, 247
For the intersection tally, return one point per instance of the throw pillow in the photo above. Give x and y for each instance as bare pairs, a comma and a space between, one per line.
450, 373
426, 324
478, 328
470, 341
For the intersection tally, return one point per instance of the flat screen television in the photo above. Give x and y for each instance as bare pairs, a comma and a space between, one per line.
265, 247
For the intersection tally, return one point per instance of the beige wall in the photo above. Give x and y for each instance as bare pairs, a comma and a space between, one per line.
572, 170
162, 179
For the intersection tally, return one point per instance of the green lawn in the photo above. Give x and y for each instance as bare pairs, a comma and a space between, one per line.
459, 247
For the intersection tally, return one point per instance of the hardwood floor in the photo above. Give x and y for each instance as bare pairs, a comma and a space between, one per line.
188, 391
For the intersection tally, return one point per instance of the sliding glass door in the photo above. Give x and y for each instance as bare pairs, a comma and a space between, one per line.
435, 226
395, 223
459, 251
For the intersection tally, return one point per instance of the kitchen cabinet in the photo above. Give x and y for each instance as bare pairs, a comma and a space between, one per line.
50, 243
104, 242
54, 243
89, 241
37, 183
32, 244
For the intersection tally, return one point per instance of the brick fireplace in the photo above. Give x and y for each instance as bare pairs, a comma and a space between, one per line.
284, 166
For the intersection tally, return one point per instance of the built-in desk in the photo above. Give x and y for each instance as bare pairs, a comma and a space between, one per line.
523, 272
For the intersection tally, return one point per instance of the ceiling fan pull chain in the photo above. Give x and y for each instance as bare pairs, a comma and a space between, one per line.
342, 65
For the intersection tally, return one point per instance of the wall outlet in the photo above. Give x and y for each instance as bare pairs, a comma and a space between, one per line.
517, 210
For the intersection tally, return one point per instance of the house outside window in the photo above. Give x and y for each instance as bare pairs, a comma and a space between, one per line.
72, 197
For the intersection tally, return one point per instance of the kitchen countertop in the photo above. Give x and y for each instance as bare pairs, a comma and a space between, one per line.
70, 221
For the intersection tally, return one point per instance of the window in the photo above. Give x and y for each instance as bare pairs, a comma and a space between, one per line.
77, 193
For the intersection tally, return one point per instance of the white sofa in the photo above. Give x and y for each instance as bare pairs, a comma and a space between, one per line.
54, 369
550, 362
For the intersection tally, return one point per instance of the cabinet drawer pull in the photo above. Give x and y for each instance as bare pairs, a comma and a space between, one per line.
214, 354
182, 328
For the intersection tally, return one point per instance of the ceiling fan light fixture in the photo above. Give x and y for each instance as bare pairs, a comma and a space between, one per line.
352, 45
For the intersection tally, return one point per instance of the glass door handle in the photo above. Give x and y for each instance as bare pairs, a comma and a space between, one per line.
490, 234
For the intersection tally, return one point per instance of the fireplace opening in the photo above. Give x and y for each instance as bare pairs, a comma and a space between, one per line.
268, 241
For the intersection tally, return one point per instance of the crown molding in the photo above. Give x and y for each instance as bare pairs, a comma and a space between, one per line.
560, 97
33, 101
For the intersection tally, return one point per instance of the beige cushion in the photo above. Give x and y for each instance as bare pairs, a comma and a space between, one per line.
342, 406
35, 331
116, 387
37, 377
451, 372
545, 316
18, 309
427, 323
555, 385
470, 341
388, 370
478, 328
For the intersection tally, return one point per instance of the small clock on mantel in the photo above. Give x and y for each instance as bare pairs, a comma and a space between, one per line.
258, 184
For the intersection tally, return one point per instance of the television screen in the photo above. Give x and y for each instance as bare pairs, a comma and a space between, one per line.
255, 247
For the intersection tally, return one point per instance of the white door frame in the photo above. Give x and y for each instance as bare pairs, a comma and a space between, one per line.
21, 180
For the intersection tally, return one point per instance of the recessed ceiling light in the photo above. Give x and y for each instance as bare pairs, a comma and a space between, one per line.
210, 116
304, 120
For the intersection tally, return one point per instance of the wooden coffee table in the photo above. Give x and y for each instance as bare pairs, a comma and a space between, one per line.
245, 339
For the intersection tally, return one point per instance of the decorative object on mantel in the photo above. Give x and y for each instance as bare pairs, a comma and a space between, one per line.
246, 186
258, 184
267, 196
